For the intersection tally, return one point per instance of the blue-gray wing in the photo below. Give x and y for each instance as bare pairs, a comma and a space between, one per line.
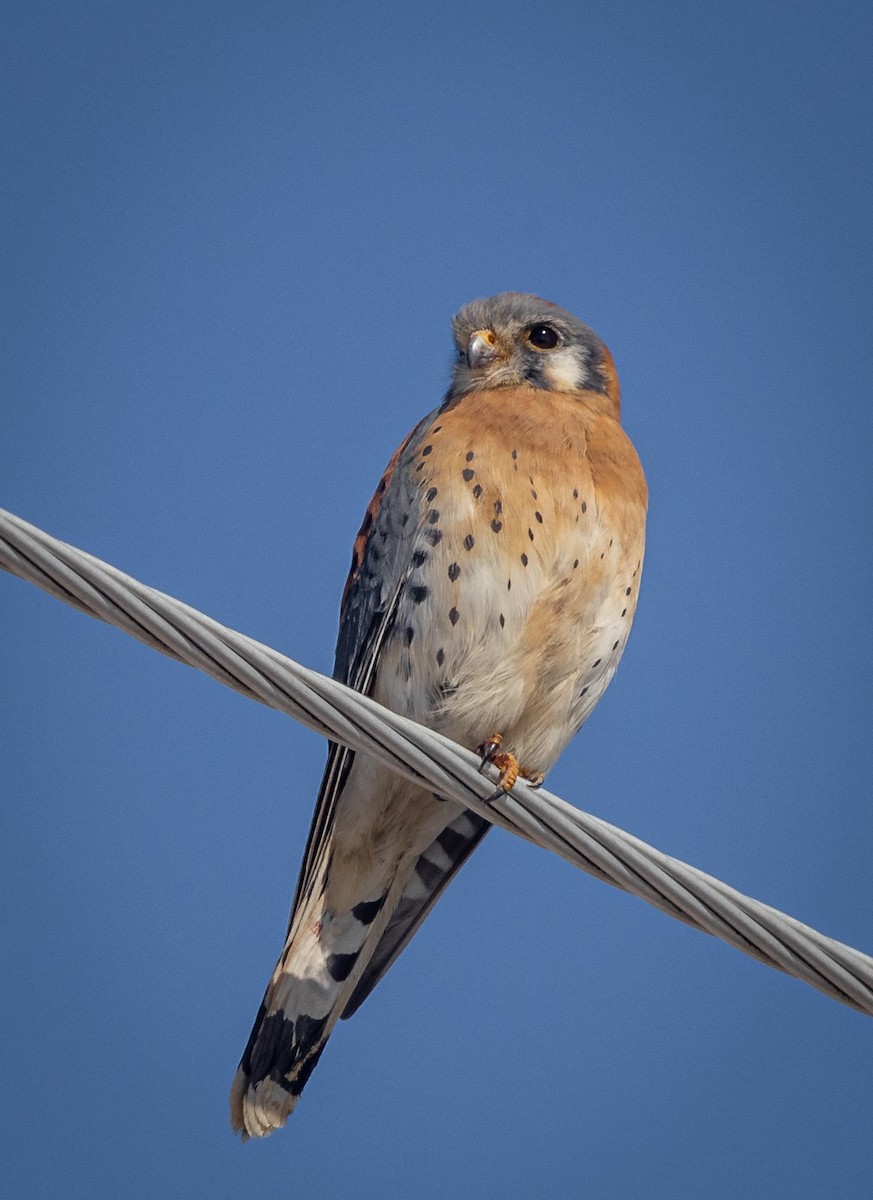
381, 563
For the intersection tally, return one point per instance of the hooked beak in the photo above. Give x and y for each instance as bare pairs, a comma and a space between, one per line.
482, 348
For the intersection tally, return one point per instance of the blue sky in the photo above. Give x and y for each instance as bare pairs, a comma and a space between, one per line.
234, 236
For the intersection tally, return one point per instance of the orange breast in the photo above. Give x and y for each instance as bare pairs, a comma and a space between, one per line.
528, 553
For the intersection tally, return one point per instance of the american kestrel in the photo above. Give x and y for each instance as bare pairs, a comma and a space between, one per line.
491, 593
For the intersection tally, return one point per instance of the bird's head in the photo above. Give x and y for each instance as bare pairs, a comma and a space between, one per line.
513, 339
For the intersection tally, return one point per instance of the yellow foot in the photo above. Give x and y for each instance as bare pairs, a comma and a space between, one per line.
535, 778
508, 766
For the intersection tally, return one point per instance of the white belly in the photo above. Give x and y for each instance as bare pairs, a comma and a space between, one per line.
512, 634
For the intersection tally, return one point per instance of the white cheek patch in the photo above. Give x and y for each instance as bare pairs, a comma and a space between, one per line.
564, 371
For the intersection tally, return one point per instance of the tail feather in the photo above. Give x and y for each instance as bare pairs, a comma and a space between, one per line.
433, 872
323, 959
330, 964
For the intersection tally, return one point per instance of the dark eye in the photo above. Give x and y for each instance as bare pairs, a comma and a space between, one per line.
543, 337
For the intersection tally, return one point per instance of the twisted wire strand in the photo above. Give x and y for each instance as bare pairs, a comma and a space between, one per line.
427, 758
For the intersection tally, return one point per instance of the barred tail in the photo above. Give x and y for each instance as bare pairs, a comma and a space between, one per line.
323, 959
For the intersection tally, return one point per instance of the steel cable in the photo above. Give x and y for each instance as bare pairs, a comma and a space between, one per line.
330, 708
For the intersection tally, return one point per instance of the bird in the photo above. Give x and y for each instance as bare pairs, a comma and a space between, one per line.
491, 593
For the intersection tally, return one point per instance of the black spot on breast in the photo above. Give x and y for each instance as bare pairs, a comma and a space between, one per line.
515, 454
440, 656
597, 664
454, 615
404, 520
419, 558
408, 635
509, 585
477, 490
419, 594
436, 428
575, 493
470, 456
467, 474
498, 507
497, 526
533, 493
434, 536
584, 506
454, 571
427, 450
615, 645
627, 591
431, 495
575, 563
539, 517
433, 516
530, 534
469, 542
582, 693
524, 560
502, 620
624, 612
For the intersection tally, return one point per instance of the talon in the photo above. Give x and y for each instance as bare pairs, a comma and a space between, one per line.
507, 765
488, 749
536, 779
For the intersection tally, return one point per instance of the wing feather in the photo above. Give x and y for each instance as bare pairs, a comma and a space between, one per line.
381, 562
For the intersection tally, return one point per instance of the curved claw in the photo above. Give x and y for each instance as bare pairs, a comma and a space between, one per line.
488, 749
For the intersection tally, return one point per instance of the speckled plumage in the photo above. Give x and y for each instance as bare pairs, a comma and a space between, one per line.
492, 589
